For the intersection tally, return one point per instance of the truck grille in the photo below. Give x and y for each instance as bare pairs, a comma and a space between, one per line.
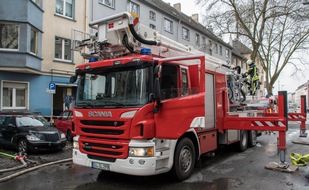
104, 149
101, 128
51, 137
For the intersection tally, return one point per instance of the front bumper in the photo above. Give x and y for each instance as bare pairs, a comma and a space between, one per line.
139, 166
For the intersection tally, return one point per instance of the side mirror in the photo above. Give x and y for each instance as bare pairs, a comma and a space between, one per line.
157, 87
73, 79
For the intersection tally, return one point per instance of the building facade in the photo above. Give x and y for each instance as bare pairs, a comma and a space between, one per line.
300, 91
36, 39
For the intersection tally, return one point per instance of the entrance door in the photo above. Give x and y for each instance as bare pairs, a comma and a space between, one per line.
61, 96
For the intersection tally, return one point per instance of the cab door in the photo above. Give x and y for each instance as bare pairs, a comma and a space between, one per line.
179, 105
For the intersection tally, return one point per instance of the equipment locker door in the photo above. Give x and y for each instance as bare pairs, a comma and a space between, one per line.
209, 102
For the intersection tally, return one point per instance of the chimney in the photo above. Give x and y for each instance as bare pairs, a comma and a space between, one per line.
195, 17
177, 6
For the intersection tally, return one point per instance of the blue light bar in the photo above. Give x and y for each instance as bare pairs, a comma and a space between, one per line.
145, 51
93, 59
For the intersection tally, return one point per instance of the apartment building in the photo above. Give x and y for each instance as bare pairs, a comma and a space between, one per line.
35, 51
36, 38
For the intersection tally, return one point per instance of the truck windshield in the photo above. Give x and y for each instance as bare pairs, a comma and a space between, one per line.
123, 87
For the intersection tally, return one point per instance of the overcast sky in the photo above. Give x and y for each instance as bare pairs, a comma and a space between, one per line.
285, 82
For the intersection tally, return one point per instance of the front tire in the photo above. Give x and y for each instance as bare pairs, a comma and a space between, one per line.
22, 146
184, 159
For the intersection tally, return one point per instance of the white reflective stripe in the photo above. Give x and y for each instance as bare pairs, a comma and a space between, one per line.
259, 123
198, 122
269, 123
281, 124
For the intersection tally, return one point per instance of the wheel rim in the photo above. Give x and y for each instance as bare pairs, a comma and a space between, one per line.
22, 146
185, 159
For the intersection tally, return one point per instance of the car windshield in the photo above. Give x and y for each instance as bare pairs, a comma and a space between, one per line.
30, 121
123, 87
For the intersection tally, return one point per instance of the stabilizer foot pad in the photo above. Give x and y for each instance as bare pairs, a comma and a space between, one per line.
301, 142
275, 166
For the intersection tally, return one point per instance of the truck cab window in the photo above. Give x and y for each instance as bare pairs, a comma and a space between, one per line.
169, 83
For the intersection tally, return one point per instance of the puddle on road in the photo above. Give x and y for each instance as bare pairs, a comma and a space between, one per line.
119, 181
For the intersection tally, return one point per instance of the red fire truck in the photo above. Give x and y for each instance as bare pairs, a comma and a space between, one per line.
147, 105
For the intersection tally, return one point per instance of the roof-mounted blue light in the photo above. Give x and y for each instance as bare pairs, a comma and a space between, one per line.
93, 59
146, 51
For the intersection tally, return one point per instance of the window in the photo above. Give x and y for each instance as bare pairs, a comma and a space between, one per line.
63, 49
15, 95
109, 3
184, 79
216, 48
197, 39
168, 25
134, 8
152, 15
65, 8
152, 26
34, 42
210, 47
220, 50
227, 53
203, 43
9, 36
185, 33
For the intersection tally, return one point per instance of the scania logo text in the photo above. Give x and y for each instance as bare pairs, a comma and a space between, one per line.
100, 114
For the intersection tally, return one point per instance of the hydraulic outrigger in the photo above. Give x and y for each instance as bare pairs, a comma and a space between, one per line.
270, 122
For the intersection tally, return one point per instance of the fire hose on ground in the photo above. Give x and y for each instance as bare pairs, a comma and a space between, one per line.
24, 164
18, 158
299, 160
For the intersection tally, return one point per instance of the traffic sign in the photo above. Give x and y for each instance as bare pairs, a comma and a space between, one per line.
52, 86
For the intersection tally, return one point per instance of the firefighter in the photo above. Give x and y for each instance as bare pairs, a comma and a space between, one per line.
253, 72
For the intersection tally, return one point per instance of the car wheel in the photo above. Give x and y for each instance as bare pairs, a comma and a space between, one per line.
69, 136
184, 159
243, 142
252, 137
22, 146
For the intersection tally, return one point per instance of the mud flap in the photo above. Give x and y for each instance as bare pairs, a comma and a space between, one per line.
276, 167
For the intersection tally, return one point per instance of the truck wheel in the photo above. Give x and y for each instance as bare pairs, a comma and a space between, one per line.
243, 142
252, 137
22, 145
184, 159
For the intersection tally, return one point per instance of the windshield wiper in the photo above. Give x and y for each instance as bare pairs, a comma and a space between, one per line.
85, 104
109, 103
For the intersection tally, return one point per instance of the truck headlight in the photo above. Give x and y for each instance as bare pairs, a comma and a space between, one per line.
141, 152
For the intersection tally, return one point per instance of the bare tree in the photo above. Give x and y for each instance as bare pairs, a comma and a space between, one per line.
276, 30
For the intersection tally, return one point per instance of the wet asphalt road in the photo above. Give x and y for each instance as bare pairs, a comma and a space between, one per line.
228, 170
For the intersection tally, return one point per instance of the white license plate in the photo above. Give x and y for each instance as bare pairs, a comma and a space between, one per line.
100, 166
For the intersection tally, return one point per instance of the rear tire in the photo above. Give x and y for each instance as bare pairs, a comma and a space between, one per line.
243, 142
252, 138
22, 146
184, 159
